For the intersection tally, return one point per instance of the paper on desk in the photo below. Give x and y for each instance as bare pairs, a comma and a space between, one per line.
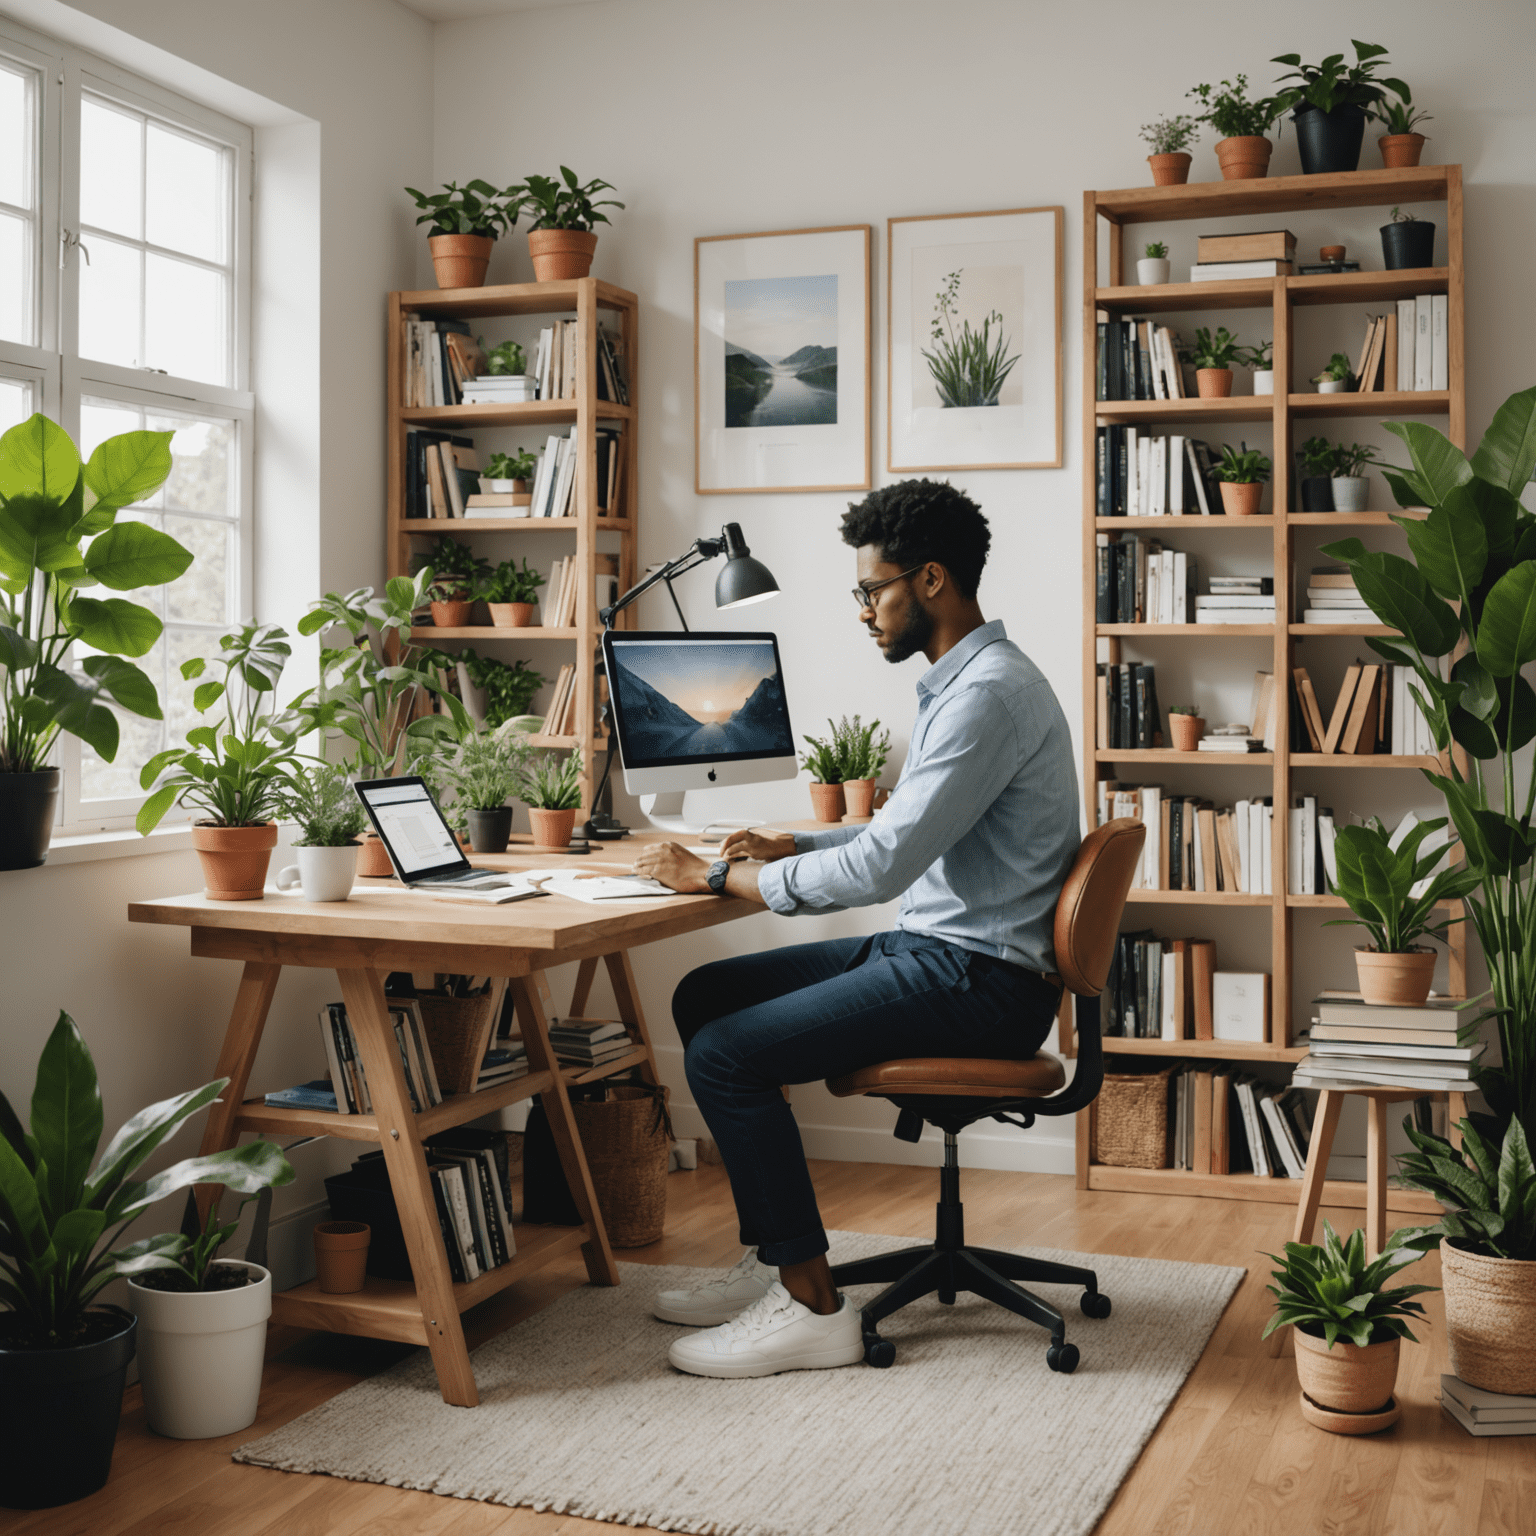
599, 888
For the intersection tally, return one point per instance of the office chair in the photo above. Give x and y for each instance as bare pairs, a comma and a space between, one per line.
952, 1094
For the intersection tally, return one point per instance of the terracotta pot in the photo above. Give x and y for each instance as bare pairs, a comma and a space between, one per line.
453, 615
1212, 384
341, 1255
551, 829
519, 487
1490, 1319
1400, 149
1401, 981
1331, 252
1169, 170
859, 795
561, 254
373, 859
511, 615
234, 859
828, 802
1243, 159
460, 260
1186, 731
1239, 500
1349, 1378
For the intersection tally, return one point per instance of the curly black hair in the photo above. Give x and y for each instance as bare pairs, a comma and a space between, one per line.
915, 521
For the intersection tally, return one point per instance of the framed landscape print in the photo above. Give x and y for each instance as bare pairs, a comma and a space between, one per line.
973, 344
781, 361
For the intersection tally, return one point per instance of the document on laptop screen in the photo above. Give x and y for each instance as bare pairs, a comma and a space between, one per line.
412, 827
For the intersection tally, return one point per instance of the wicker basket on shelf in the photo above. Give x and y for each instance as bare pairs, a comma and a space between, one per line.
626, 1136
1130, 1121
458, 1035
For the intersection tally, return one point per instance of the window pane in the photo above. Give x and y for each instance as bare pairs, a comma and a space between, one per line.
101, 419
111, 167
185, 194
16, 301
201, 596
201, 478
185, 320
18, 145
109, 302
15, 402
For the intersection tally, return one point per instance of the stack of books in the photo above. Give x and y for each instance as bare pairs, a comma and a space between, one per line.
500, 389
589, 1042
1333, 598
316, 1095
1355, 1044
346, 1066
1224, 258
1237, 600
507, 1059
1230, 739
1487, 1413
1423, 359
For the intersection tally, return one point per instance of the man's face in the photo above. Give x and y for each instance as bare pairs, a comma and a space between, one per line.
897, 622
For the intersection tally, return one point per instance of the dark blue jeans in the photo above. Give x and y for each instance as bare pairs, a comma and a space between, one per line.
753, 1024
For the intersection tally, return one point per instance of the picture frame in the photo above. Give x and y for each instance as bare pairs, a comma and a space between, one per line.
974, 369
782, 361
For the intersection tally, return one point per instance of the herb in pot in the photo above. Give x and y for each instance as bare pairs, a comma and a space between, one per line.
1219, 351
1171, 136
510, 584
1228, 110
325, 806
1156, 251
473, 209
518, 466
562, 203
508, 357
1337, 372
547, 784
1242, 466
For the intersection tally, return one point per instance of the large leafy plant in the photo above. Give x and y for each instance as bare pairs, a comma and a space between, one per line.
1394, 892
1490, 1192
1470, 588
59, 537
509, 690
1331, 84
560, 203
60, 1218
473, 209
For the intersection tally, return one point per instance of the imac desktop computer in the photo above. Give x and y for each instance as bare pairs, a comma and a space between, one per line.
696, 711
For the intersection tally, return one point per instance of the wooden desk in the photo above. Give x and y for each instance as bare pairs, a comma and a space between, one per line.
382, 928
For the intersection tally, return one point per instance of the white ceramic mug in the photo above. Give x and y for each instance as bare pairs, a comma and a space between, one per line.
326, 874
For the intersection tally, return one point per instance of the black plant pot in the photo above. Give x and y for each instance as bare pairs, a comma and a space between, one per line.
1316, 493
1329, 141
26, 817
1408, 245
58, 1417
489, 831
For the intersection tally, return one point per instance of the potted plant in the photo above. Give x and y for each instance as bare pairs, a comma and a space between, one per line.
1186, 726
1170, 138
1242, 473
331, 819
1349, 1327
508, 473
1154, 267
1337, 378
1400, 145
1242, 150
506, 357
234, 771
1393, 893
510, 592
860, 759
828, 802
552, 792
1212, 358
1259, 358
465, 222
1487, 1242
562, 241
456, 576
1329, 105
493, 691
58, 539
1347, 485
1407, 241
64, 1355
1316, 471
483, 773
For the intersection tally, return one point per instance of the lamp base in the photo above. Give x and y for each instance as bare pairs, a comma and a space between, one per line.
604, 828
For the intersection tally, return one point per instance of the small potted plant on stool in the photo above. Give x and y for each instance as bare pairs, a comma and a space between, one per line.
1242, 473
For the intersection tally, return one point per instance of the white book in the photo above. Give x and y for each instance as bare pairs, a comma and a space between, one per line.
1199, 854
1256, 1148
1267, 844
1423, 343
1479, 1401
1181, 613
1483, 1427
1169, 1021
1240, 831
1152, 815
1226, 271
458, 1209
1165, 587
1295, 1166
1256, 849
1171, 364
560, 502
1333, 1075
1406, 324
332, 1061
1297, 851
1144, 476
1230, 599
1176, 477
1132, 465
1235, 616
1160, 477
1439, 341
1325, 843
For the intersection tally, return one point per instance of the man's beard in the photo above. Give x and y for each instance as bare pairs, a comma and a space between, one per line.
913, 636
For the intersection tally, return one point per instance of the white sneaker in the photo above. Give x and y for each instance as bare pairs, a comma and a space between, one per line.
718, 1301
774, 1334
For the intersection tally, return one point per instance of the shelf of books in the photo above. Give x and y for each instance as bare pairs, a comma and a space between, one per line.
1243, 859
448, 413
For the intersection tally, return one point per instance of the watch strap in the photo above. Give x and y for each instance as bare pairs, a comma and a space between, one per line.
718, 871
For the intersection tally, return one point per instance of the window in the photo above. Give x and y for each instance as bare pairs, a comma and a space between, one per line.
138, 318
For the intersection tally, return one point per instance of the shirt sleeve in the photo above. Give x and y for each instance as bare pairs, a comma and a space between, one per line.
833, 837
965, 766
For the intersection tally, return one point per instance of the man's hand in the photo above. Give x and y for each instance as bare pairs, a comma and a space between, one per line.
746, 843
674, 866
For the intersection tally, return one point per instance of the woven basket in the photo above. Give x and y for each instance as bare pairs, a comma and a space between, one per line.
626, 1143
1130, 1123
1490, 1319
458, 1030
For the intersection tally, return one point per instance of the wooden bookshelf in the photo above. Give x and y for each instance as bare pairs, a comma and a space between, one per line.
591, 302
1108, 218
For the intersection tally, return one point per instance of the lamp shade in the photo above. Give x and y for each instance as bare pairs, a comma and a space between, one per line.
743, 580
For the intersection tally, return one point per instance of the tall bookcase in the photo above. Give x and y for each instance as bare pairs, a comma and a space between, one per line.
590, 301
1212, 203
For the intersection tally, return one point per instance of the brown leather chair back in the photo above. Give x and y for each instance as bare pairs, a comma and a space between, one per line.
1092, 900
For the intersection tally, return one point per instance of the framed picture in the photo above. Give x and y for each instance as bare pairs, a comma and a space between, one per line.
781, 361
973, 334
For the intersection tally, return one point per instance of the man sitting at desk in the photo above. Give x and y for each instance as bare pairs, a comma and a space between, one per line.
977, 840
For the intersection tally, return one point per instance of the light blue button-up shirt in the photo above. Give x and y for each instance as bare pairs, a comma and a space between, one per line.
979, 834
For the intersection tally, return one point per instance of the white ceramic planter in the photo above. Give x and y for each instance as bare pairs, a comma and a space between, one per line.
325, 874
1332, 387
1263, 381
1153, 269
1349, 493
200, 1356
492, 487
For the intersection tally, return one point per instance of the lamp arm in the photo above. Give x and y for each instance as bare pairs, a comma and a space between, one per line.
701, 551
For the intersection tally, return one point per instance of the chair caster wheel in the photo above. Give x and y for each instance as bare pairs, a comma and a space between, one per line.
879, 1353
1062, 1357
1094, 1304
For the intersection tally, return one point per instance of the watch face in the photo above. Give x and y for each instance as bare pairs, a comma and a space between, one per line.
717, 875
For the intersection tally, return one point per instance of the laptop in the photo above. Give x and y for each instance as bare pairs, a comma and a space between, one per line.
421, 845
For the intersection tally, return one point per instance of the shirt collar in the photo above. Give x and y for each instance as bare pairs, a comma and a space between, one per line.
953, 662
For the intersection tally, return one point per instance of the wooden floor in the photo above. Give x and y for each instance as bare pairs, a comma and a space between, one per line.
1232, 1458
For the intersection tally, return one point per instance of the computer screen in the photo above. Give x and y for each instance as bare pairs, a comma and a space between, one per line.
407, 818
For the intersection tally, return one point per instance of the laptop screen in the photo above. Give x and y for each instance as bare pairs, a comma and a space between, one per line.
419, 840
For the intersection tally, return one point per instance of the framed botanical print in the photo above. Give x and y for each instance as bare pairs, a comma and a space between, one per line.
973, 353
782, 361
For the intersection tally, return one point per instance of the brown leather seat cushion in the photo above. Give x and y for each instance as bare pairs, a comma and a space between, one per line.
1033, 1078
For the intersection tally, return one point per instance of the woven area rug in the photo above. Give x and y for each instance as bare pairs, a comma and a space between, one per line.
968, 1432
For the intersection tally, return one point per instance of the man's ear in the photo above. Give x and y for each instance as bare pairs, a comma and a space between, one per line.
934, 579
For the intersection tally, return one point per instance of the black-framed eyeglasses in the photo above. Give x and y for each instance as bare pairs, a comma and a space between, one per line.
864, 594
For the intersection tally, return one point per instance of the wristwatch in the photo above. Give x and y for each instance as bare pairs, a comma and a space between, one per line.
716, 876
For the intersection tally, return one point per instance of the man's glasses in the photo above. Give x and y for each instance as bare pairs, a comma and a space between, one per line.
864, 595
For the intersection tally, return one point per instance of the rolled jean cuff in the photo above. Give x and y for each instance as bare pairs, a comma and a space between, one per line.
793, 1250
